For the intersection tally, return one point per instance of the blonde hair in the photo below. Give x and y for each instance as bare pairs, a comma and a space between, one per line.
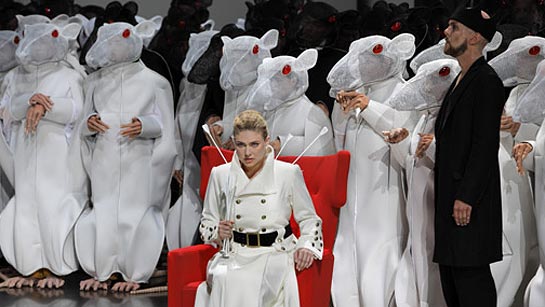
250, 120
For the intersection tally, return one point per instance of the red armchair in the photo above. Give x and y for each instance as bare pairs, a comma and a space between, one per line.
326, 179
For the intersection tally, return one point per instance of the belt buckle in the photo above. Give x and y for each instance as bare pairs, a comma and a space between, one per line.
248, 239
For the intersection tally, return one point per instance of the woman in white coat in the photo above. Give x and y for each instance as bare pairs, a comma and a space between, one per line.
372, 225
129, 154
250, 201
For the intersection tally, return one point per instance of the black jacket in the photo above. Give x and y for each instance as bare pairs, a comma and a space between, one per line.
466, 168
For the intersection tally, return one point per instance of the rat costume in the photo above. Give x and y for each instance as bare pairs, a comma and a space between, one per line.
184, 216
372, 225
280, 92
36, 227
417, 279
265, 275
123, 231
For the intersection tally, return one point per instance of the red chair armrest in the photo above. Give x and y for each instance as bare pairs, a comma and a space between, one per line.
315, 282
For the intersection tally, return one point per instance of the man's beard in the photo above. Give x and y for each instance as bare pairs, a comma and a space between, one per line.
455, 51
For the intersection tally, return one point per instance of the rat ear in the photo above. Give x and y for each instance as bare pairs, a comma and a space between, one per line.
225, 39
306, 60
403, 46
269, 40
71, 31
146, 29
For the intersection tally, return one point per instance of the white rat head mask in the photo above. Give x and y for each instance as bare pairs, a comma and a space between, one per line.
281, 79
369, 60
9, 41
241, 57
45, 42
118, 42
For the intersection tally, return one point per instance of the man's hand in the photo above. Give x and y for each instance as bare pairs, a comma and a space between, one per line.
41, 99
423, 144
395, 135
33, 116
352, 100
520, 152
225, 230
506, 123
96, 125
461, 213
303, 258
133, 129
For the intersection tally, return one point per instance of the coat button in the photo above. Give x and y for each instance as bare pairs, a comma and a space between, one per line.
279, 240
263, 200
240, 229
263, 229
263, 217
238, 216
238, 201
283, 248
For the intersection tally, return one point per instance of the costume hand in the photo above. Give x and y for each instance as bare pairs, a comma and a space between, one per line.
423, 144
41, 99
229, 145
215, 130
276, 146
303, 258
352, 100
225, 229
506, 123
133, 129
395, 135
179, 176
96, 125
461, 213
33, 116
520, 152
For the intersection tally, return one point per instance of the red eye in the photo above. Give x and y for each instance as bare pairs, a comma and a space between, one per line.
16, 40
283, 32
181, 24
445, 71
286, 69
534, 50
332, 19
55, 33
378, 49
110, 21
255, 50
396, 26
47, 10
126, 33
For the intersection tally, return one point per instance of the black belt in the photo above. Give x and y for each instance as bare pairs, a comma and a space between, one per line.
259, 239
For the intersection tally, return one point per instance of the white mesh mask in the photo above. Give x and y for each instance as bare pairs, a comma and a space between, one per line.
369, 60
241, 57
428, 87
44, 43
9, 41
198, 43
281, 79
518, 63
531, 104
118, 42
23, 21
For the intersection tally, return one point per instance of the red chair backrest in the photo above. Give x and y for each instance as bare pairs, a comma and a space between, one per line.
325, 176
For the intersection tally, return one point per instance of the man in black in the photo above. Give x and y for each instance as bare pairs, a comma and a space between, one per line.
468, 218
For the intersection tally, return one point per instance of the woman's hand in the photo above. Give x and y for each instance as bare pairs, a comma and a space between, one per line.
225, 230
303, 258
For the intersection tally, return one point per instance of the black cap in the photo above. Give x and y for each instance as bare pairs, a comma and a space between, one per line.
473, 19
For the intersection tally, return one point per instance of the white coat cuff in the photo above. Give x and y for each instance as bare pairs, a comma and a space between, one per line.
151, 127
85, 129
